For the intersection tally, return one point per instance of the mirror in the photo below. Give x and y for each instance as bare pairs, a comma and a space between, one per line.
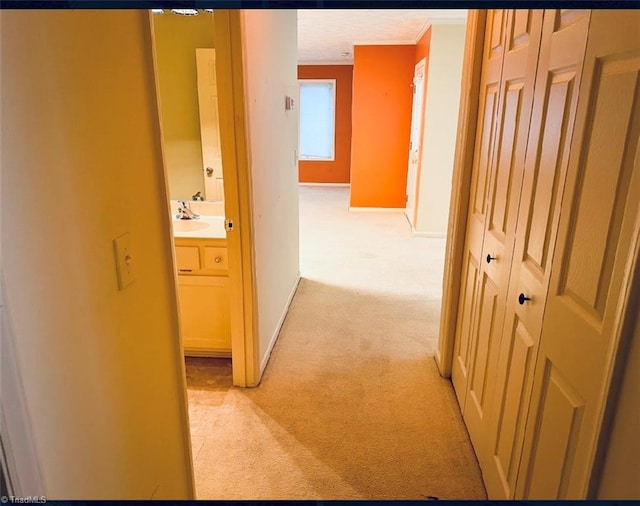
185, 67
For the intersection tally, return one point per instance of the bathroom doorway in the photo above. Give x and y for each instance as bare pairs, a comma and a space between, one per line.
192, 67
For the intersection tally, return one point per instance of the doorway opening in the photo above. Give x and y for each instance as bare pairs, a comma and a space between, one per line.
185, 66
415, 142
414, 104
212, 257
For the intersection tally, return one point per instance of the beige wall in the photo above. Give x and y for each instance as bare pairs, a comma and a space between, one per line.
440, 128
621, 475
101, 369
270, 42
176, 39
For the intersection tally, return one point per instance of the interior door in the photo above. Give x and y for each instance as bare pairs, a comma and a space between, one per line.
522, 45
588, 307
492, 60
554, 107
417, 115
209, 123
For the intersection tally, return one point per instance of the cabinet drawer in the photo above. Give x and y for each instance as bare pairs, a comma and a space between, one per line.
215, 258
188, 258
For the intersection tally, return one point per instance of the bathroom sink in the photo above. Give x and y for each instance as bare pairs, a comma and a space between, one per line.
188, 225
204, 227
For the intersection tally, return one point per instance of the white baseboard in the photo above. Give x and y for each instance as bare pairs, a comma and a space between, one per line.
334, 185
276, 333
438, 360
376, 209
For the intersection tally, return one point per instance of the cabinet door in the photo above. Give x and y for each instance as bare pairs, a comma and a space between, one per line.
522, 45
589, 307
563, 43
484, 143
204, 313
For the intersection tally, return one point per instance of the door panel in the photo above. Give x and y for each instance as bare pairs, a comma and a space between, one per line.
546, 159
509, 423
480, 183
475, 230
467, 304
566, 17
562, 410
591, 271
520, 28
496, 27
503, 187
514, 114
486, 330
586, 273
485, 135
546, 180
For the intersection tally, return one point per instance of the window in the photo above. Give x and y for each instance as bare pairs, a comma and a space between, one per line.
317, 119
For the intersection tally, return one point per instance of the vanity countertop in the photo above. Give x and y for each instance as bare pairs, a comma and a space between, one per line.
206, 227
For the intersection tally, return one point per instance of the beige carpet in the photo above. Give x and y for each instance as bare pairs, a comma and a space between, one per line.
351, 405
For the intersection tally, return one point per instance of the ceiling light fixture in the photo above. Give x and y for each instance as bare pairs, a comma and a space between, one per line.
157, 11
185, 12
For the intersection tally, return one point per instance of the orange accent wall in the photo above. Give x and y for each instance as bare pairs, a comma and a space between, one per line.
339, 170
381, 122
423, 48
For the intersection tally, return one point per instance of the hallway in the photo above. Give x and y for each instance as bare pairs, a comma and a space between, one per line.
351, 405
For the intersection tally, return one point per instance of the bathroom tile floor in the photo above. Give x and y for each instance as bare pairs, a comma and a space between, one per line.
208, 381
204, 373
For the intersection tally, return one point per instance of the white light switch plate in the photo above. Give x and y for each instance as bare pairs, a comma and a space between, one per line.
124, 261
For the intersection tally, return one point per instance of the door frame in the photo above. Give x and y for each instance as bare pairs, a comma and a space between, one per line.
234, 142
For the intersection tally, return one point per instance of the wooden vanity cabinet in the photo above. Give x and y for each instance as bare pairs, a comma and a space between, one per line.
203, 296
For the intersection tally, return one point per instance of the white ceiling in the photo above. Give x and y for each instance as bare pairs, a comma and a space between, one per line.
323, 35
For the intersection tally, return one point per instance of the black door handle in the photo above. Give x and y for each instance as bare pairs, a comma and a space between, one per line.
522, 299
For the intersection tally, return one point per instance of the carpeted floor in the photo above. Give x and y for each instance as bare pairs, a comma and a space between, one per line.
351, 405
